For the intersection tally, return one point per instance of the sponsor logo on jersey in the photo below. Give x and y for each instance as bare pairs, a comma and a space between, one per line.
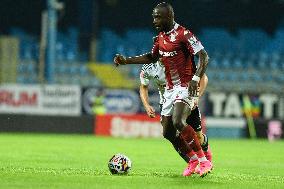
167, 54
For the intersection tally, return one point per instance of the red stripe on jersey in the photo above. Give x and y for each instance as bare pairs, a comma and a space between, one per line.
168, 75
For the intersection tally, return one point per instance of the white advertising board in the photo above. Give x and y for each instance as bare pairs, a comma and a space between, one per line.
40, 99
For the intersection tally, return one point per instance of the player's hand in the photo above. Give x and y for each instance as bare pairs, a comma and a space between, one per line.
150, 111
193, 88
119, 60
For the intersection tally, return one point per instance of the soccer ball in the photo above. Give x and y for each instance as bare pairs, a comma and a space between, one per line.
119, 164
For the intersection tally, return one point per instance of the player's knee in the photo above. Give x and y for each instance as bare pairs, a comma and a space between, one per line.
169, 136
178, 124
168, 132
165, 121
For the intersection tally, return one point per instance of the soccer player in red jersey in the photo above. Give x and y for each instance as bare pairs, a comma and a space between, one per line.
176, 46
155, 72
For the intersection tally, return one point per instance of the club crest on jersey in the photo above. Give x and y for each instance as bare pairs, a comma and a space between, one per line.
173, 37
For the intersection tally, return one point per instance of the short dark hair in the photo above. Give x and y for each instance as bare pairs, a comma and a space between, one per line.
164, 4
167, 6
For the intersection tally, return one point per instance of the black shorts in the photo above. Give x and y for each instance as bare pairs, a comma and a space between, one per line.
194, 119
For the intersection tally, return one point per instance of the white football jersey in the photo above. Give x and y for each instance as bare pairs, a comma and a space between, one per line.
156, 73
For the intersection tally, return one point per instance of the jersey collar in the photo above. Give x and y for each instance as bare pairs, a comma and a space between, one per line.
176, 25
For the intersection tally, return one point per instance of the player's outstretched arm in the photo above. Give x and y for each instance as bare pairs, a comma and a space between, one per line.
145, 100
141, 59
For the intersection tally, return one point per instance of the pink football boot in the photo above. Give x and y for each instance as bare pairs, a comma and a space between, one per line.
205, 168
190, 167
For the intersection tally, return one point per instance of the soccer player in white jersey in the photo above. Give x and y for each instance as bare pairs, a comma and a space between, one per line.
155, 72
176, 46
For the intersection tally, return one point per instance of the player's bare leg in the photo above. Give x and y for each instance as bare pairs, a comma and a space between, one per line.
180, 114
170, 133
194, 120
203, 140
204, 145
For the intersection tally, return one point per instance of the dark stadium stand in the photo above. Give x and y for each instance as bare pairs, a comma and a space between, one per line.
243, 56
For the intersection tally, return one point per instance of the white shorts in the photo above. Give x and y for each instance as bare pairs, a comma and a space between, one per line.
177, 94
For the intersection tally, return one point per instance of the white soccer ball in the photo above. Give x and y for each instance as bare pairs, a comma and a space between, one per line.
119, 164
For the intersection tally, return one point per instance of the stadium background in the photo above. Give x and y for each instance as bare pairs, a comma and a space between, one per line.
74, 44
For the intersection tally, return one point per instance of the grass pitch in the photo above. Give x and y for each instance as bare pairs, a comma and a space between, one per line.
80, 161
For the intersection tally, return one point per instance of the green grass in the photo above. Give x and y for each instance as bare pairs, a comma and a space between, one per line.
80, 161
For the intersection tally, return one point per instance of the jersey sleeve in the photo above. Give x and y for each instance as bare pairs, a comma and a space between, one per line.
155, 48
144, 77
191, 42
